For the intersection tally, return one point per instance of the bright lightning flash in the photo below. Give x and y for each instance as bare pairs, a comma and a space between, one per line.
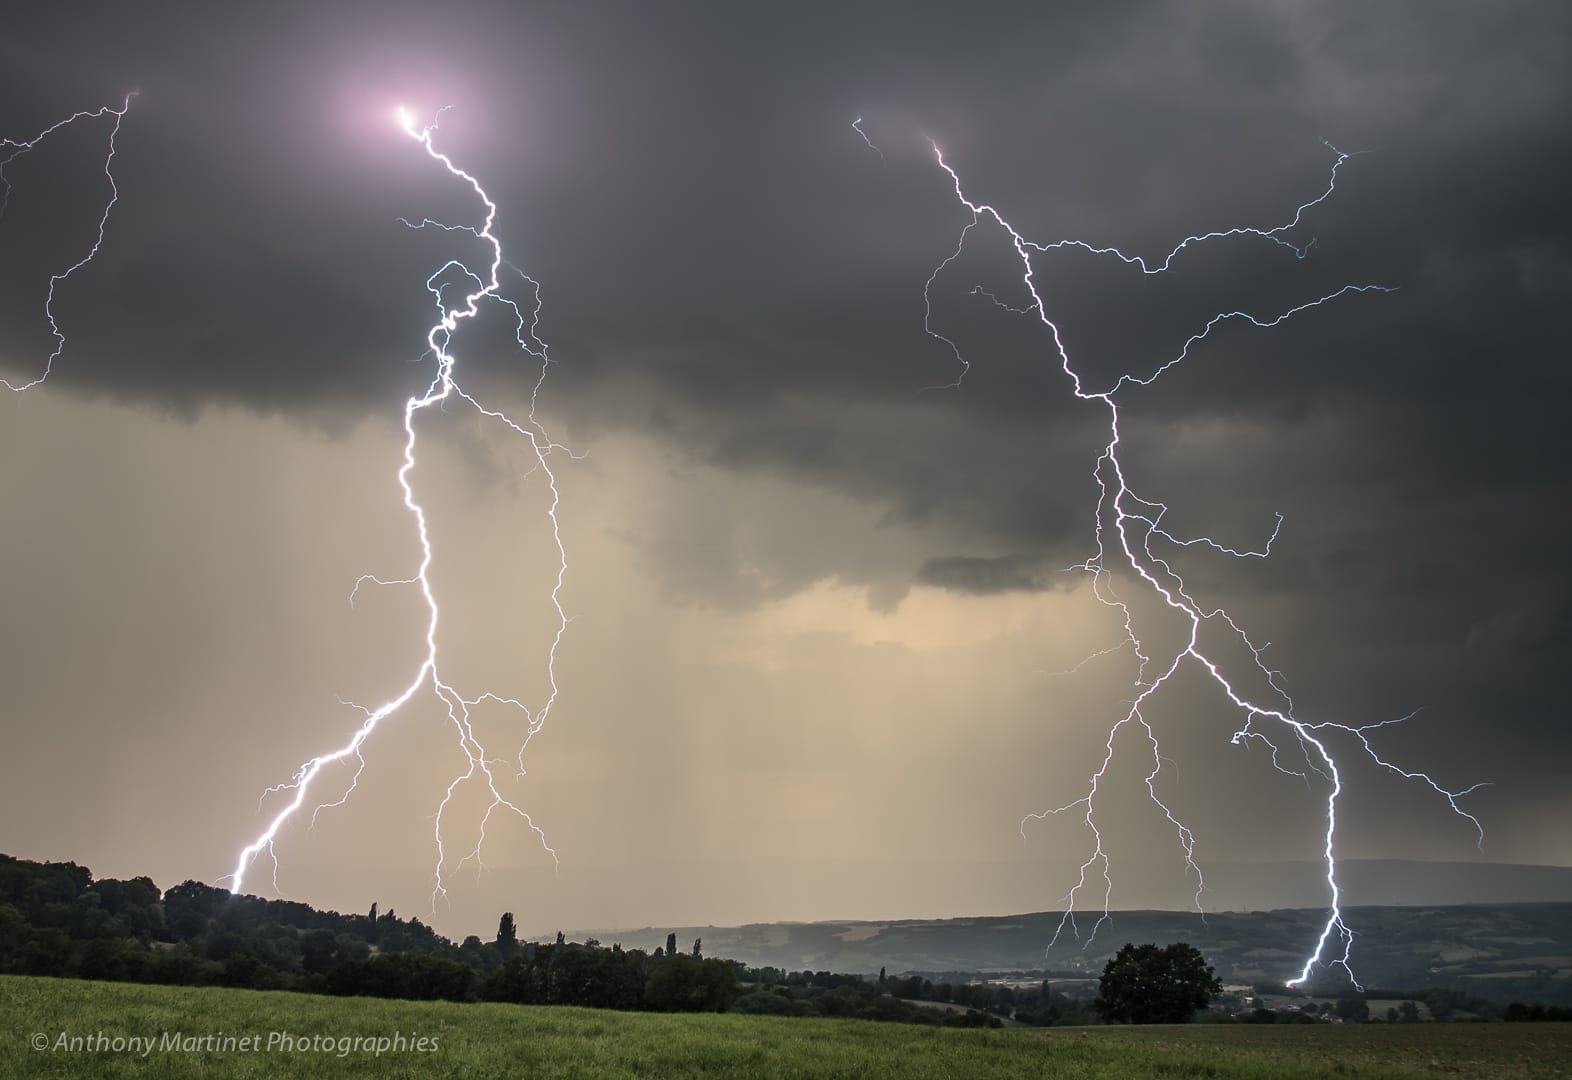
482, 766
10, 150
1137, 547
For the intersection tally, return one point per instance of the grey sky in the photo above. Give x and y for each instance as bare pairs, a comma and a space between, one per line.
818, 607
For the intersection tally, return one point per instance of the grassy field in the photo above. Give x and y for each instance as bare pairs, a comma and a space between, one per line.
1475, 1050
485, 1041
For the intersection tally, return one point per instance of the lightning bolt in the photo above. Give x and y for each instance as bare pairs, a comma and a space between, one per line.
1129, 537
482, 768
857, 127
10, 150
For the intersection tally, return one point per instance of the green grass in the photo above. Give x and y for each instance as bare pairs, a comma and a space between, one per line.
1538, 1051
510, 1041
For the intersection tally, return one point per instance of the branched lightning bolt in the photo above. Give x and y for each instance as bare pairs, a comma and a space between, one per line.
1134, 524
480, 288
10, 150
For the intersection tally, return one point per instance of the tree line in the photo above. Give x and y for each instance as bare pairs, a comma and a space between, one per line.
57, 920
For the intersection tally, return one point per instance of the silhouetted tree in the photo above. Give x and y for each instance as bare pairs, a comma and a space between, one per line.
683, 984
1351, 1008
1146, 984
697, 952
507, 933
671, 943
318, 952
190, 906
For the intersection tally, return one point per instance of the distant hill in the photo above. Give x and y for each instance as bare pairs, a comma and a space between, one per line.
1496, 950
1265, 886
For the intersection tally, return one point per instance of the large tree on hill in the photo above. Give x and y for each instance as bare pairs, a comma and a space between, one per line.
1148, 984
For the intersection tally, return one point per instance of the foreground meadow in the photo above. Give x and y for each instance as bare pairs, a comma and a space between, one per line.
68, 1028
1473, 1050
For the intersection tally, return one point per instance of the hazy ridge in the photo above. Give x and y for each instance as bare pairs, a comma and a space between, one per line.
1489, 927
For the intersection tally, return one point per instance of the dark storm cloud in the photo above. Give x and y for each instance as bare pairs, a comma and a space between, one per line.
981, 576
693, 184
